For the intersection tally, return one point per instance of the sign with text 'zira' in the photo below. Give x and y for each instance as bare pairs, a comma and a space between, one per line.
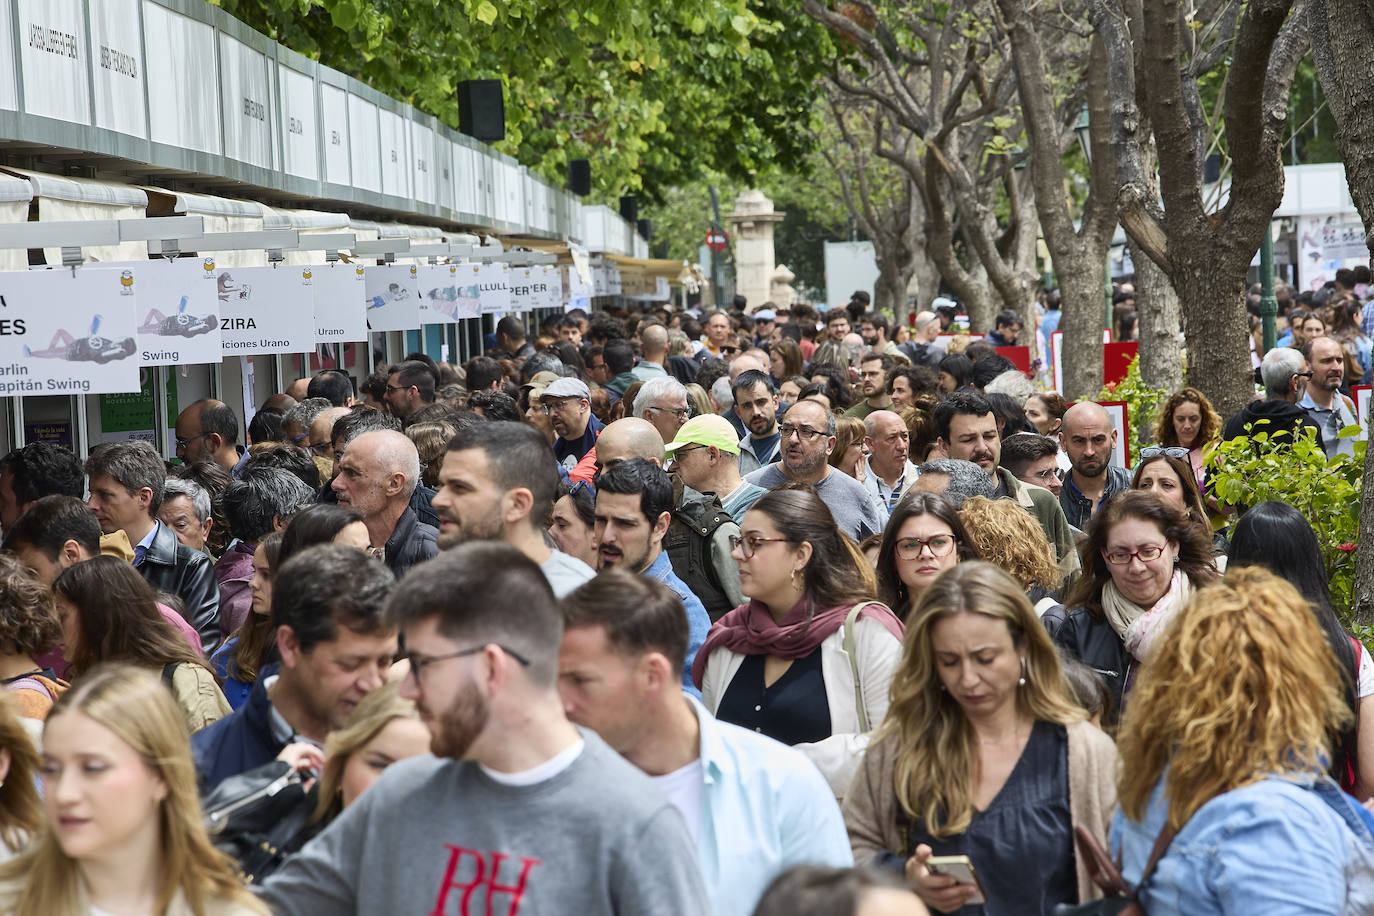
178, 310
265, 310
339, 306
393, 297
68, 332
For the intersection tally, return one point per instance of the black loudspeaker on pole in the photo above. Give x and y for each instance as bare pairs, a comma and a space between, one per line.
482, 110
629, 208
646, 229
580, 177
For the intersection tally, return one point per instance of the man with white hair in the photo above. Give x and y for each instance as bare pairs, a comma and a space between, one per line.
377, 474
923, 348
663, 402
1285, 373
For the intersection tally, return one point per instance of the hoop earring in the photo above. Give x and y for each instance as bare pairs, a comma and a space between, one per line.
796, 575
1022, 682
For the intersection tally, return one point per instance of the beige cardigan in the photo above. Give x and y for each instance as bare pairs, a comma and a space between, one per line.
871, 809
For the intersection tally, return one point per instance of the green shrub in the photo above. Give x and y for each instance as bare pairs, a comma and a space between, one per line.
1142, 405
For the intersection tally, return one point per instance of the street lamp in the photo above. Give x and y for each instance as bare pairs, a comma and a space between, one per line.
1084, 132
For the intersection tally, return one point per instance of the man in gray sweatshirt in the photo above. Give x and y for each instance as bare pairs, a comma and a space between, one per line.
518, 812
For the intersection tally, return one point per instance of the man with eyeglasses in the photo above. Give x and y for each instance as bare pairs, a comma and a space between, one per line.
1089, 439
567, 402
873, 370
1284, 372
208, 430
890, 471
336, 646
517, 810
409, 387
1033, 459
663, 402
808, 438
295, 425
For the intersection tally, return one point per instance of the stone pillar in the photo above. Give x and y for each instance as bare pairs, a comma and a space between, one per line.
751, 227
780, 287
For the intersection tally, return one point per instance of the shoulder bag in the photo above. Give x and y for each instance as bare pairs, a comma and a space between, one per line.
1119, 899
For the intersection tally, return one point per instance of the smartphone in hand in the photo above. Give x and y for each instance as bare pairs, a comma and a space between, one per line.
960, 868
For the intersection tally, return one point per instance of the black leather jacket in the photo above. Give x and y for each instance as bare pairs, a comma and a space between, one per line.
411, 543
1091, 640
170, 566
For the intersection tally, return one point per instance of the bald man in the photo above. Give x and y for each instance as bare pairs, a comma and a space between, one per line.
1088, 439
653, 353
299, 389
377, 475
208, 430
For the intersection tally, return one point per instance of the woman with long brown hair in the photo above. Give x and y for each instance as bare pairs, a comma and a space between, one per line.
29, 630
21, 811
238, 661
109, 614
982, 754
1224, 753
1188, 420
924, 536
784, 360
123, 831
808, 660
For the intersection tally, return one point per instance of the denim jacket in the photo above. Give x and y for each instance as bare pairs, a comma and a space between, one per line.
1281, 847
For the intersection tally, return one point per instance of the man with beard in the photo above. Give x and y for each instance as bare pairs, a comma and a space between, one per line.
567, 401
517, 807
754, 805
756, 405
873, 372
890, 471
1089, 440
336, 647
808, 438
967, 430
1330, 410
634, 502
497, 483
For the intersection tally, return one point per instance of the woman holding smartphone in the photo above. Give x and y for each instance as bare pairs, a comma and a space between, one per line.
123, 831
983, 758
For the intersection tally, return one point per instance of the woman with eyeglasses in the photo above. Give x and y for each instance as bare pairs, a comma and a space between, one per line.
924, 537
1142, 559
1166, 472
808, 660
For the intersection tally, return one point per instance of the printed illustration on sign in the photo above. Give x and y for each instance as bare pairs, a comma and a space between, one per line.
395, 292
393, 298
229, 290
89, 349
178, 324
451, 300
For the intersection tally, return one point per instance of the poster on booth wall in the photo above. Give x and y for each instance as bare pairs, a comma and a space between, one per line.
265, 310
68, 332
493, 284
179, 322
393, 297
340, 309
448, 294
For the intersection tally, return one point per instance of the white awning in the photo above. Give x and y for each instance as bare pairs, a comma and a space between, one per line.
222, 214
63, 199
15, 194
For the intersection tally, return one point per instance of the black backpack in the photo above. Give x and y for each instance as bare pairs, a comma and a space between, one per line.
688, 545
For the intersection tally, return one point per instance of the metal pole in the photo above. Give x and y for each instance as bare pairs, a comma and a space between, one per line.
160, 410
1269, 303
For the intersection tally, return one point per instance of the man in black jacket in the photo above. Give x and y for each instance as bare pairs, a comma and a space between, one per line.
1285, 374
125, 480
377, 476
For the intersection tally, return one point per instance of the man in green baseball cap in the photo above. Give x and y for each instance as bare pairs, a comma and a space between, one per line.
705, 454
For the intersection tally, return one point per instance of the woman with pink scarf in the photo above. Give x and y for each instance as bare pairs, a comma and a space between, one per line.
808, 661
1142, 560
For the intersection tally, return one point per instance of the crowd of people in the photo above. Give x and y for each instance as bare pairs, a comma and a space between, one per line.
769, 611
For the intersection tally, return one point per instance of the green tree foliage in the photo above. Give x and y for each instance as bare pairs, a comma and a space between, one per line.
650, 93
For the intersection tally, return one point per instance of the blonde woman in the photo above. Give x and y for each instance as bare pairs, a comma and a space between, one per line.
123, 831
383, 729
982, 743
21, 812
1226, 763
1005, 535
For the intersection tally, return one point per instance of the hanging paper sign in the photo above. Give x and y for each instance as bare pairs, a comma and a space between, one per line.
448, 294
522, 292
553, 287
579, 291
265, 310
178, 310
65, 332
340, 312
493, 283
393, 298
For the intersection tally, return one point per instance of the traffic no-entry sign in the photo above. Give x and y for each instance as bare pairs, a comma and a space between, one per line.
717, 241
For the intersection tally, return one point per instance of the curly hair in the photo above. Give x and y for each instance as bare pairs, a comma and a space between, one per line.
1218, 727
28, 618
1005, 534
935, 741
1164, 426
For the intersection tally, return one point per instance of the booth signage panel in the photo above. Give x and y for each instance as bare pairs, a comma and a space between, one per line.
53, 57
422, 162
395, 155
334, 134
178, 310
339, 306
553, 287
246, 94
182, 111
522, 283
364, 143
464, 179
449, 294
579, 290
87, 346
117, 65
393, 297
493, 284
9, 86
300, 134
265, 310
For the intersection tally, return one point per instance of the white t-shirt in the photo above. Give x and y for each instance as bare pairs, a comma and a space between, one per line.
684, 788
1366, 684
544, 771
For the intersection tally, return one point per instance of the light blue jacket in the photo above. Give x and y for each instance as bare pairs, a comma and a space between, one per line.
765, 808
1279, 847
698, 622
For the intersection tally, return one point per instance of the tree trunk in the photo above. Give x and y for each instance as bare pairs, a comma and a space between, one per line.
1212, 295
894, 273
927, 281
1081, 283
1161, 362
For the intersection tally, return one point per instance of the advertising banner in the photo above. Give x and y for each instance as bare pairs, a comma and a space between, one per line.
265, 310
392, 297
67, 332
